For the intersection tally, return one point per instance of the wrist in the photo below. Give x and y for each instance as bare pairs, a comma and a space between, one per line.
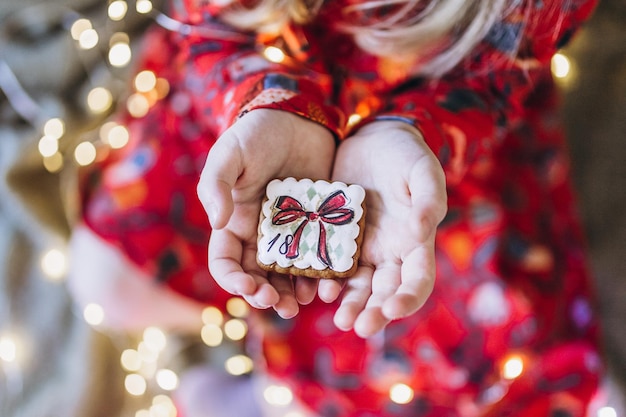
387, 126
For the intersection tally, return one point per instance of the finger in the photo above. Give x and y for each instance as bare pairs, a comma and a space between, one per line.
266, 294
385, 282
418, 279
305, 289
427, 187
287, 306
223, 166
329, 289
369, 322
357, 291
225, 254
264, 297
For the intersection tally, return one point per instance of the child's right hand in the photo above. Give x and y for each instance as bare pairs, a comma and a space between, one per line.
262, 145
406, 200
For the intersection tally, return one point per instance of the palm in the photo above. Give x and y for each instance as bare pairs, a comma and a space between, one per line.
387, 238
406, 200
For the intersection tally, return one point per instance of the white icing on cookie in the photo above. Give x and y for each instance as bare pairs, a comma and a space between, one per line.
308, 224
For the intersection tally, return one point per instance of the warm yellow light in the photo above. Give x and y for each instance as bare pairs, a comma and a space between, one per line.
163, 410
401, 393
135, 384
162, 87
145, 81
143, 6
85, 153
142, 413
148, 369
274, 54
278, 395
137, 105
167, 379
88, 39
239, 365
560, 65
119, 37
120, 54
161, 399
48, 146
237, 307
118, 137
212, 315
78, 27
54, 264
8, 349
147, 353
117, 10
104, 131
115, 135
130, 360
235, 329
99, 100
53, 163
155, 338
93, 314
163, 406
54, 128
354, 119
212, 335
513, 367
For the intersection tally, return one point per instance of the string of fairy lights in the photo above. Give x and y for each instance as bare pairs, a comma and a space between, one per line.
145, 365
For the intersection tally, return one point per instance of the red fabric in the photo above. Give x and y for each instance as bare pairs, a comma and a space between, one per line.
512, 276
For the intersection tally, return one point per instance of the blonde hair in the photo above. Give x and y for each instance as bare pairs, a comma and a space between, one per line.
268, 16
439, 36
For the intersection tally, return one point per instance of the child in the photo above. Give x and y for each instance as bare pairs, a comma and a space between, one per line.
451, 111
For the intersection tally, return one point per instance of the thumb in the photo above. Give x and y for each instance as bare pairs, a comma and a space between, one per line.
221, 170
427, 187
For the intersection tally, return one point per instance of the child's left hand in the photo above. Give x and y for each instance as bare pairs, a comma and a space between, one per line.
406, 200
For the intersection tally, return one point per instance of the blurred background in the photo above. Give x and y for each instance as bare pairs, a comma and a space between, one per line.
64, 66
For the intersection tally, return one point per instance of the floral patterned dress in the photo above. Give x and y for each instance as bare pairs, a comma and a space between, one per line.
510, 329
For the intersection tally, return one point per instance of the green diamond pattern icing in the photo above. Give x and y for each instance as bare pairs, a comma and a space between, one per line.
304, 247
311, 192
339, 251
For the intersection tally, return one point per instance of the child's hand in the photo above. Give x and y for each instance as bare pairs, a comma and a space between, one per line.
406, 200
262, 145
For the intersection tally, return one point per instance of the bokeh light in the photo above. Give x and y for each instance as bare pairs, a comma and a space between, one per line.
85, 153
135, 384
117, 10
401, 393
93, 314
54, 264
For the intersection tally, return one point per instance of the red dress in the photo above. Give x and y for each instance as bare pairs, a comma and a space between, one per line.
513, 292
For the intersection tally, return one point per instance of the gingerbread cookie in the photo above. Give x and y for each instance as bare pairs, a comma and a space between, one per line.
311, 229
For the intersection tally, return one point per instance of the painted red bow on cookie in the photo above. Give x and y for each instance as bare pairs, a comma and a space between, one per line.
330, 211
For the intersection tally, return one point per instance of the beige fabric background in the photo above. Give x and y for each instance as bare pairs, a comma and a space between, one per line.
64, 368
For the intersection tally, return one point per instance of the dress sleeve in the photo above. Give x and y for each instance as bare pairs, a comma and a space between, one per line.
464, 115
231, 72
